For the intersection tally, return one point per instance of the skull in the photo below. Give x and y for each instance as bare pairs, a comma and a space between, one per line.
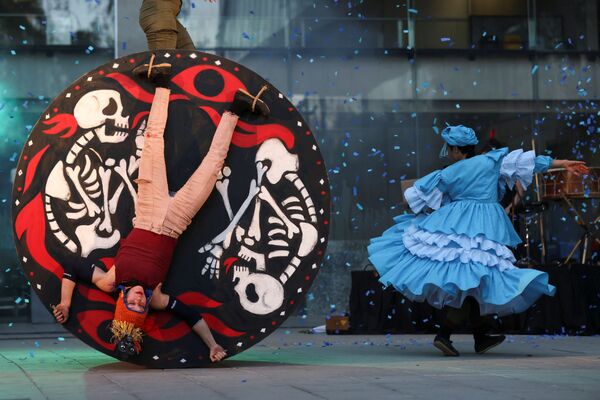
260, 294
280, 159
101, 111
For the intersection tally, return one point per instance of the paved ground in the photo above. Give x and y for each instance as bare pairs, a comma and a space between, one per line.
290, 365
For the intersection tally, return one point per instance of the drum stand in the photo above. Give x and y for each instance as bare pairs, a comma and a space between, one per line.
587, 233
527, 214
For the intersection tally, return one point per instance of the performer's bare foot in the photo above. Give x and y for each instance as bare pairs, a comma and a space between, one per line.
245, 102
217, 353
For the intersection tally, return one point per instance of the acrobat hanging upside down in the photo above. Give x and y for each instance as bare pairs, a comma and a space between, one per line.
144, 257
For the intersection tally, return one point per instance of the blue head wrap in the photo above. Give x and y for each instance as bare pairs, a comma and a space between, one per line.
457, 136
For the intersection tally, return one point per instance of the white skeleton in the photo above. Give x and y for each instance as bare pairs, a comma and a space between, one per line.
274, 162
100, 114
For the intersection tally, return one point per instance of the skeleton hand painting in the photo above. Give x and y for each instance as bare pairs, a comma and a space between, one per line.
284, 227
89, 185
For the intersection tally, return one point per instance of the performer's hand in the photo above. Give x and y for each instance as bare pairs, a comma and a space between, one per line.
217, 353
575, 167
159, 299
61, 312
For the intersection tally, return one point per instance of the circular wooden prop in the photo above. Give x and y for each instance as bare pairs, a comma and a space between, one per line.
73, 202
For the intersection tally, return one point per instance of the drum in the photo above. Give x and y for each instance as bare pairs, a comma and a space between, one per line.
559, 182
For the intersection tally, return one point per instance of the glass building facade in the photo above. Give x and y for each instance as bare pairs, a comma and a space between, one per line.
377, 80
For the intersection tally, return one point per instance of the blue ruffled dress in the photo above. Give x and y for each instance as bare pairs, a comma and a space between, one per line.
461, 248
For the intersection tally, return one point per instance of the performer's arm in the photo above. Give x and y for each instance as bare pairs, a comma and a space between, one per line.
427, 192
163, 301
575, 167
217, 353
104, 281
61, 310
76, 273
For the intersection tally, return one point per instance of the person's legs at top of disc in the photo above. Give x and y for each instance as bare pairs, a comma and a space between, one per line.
191, 197
184, 41
158, 20
153, 190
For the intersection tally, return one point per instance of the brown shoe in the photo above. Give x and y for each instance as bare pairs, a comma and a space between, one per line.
245, 102
152, 71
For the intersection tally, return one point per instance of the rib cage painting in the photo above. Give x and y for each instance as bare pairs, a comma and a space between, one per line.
251, 253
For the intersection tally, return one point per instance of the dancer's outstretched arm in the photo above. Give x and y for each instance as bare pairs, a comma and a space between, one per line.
575, 167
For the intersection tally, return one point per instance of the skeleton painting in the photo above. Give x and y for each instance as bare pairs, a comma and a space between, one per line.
85, 179
250, 255
293, 217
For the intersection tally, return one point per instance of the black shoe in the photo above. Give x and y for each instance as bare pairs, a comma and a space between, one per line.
153, 72
445, 345
245, 102
488, 342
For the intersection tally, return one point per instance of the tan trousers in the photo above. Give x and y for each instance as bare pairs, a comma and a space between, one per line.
155, 209
158, 19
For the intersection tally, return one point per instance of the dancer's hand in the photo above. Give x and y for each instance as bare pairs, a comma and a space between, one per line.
217, 353
159, 300
61, 312
575, 167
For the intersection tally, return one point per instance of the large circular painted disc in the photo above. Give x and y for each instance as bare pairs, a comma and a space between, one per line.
73, 202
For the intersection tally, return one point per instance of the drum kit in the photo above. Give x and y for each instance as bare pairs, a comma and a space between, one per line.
573, 193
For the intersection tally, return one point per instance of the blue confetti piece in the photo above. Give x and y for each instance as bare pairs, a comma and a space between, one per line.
359, 206
245, 36
534, 69
413, 11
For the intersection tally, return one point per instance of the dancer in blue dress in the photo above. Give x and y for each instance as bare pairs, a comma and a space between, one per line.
456, 257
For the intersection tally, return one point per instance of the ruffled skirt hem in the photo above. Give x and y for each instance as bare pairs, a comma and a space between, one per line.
449, 283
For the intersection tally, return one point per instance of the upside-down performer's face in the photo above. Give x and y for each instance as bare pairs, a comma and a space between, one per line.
135, 299
130, 313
